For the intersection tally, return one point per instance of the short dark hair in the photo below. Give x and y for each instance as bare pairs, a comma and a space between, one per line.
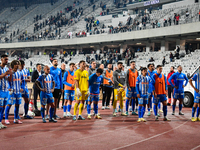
143, 68
81, 61
132, 61
3, 56
178, 66
87, 66
99, 70
149, 65
153, 64
71, 64
172, 67
93, 61
14, 62
37, 64
158, 66
22, 62
120, 63
54, 59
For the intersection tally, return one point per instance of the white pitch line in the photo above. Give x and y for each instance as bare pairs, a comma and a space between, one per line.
196, 147
151, 137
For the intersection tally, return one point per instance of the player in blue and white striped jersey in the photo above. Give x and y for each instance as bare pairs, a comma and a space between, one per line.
142, 87
25, 92
5, 76
15, 92
46, 86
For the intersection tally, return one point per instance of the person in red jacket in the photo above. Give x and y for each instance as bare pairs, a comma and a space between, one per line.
169, 87
177, 19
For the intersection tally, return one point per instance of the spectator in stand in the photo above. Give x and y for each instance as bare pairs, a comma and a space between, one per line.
169, 21
169, 87
165, 23
171, 56
140, 26
174, 18
177, 19
176, 55
190, 48
151, 59
199, 15
178, 49
163, 61
186, 47
94, 7
187, 14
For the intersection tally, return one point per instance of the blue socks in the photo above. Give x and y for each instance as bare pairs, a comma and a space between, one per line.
26, 108
158, 105
173, 107
64, 108
197, 115
69, 108
95, 109
180, 107
1, 113
51, 111
16, 112
7, 112
193, 111
42, 112
133, 104
155, 109
127, 104
150, 103
140, 111
143, 111
165, 111
88, 109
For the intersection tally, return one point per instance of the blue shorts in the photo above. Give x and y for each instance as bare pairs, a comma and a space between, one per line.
143, 99
3, 98
69, 95
178, 94
197, 98
131, 93
25, 93
46, 98
94, 97
160, 98
14, 99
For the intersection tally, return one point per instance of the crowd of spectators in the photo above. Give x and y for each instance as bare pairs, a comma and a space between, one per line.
53, 24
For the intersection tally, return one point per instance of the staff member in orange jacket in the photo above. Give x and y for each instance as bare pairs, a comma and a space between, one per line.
69, 83
160, 91
131, 94
107, 86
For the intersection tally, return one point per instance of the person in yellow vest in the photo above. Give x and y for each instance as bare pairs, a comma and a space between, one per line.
119, 86
82, 92
69, 84
107, 86
131, 94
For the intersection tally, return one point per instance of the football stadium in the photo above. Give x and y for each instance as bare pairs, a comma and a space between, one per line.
100, 74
